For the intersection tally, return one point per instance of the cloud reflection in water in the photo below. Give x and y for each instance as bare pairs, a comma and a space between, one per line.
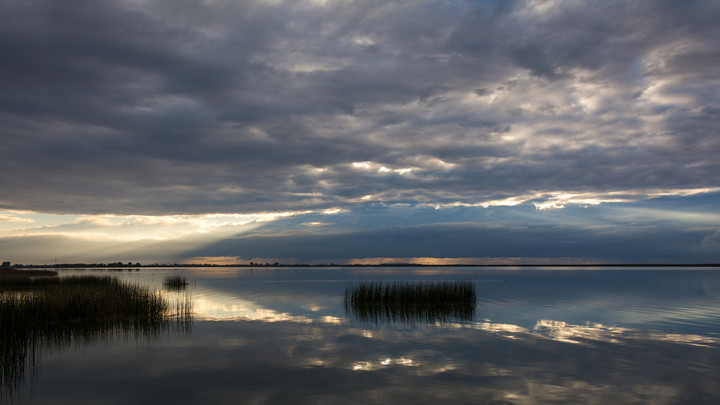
258, 338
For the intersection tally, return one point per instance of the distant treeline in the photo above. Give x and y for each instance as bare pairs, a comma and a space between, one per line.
156, 265
277, 264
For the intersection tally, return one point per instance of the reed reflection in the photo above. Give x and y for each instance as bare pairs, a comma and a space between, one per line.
407, 304
51, 313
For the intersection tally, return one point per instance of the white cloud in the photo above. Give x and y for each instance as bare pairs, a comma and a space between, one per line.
147, 227
11, 218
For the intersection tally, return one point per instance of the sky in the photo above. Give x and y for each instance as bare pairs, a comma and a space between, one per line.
304, 131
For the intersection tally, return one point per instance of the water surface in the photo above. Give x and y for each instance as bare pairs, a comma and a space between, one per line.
283, 335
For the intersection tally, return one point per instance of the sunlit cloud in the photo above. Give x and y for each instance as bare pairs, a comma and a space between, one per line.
8, 218
144, 227
381, 169
561, 199
333, 211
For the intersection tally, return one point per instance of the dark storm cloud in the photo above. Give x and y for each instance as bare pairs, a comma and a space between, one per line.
475, 241
191, 107
663, 230
667, 229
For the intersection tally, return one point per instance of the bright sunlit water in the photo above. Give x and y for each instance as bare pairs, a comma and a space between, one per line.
284, 335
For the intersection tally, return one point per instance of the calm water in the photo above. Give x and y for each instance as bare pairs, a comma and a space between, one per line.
284, 336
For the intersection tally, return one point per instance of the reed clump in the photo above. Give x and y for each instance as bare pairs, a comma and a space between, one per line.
72, 299
175, 283
411, 303
51, 312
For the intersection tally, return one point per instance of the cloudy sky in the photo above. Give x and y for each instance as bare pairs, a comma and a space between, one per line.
359, 131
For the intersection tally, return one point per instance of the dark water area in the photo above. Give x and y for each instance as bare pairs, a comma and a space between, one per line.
288, 335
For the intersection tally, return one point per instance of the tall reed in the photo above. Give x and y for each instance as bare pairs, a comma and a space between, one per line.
47, 312
411, 303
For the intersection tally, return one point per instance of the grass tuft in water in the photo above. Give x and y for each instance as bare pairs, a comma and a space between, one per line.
175, 283
411, 303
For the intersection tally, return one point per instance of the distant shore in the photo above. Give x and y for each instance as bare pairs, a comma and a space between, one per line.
27, 268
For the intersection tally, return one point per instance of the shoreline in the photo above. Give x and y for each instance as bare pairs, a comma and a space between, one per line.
40, 269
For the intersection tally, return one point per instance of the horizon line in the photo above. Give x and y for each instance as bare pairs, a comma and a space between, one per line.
278, 264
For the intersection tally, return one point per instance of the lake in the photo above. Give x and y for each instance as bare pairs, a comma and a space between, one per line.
287, 335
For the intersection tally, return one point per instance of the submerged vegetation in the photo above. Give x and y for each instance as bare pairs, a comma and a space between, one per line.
410, 303
50, 312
